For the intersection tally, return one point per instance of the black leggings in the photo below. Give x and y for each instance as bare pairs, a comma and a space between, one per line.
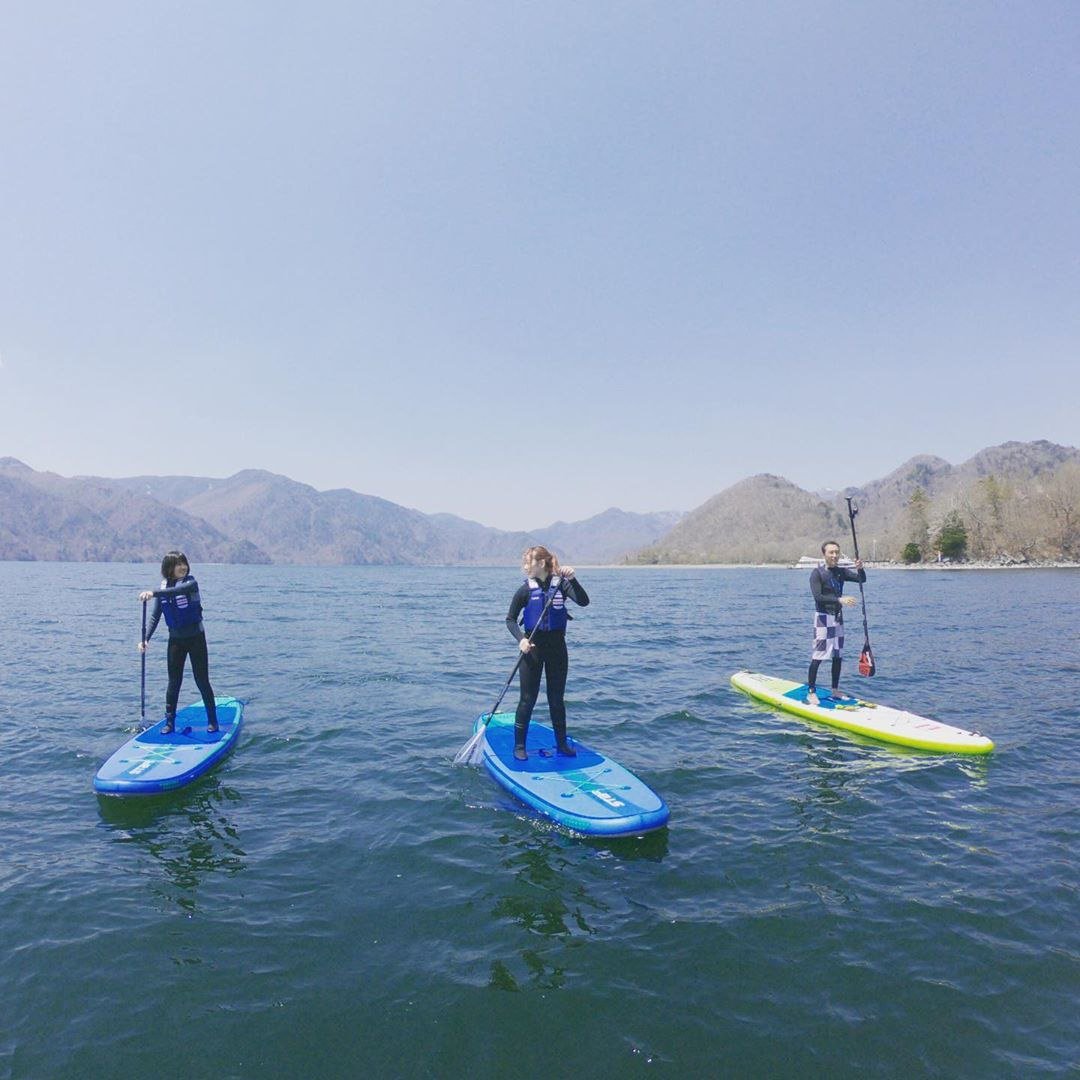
180, 648
548, 654
815, 664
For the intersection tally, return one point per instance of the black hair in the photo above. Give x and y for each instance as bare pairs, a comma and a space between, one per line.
168, 564
826, 544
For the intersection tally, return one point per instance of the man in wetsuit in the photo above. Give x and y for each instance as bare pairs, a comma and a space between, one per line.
827, 587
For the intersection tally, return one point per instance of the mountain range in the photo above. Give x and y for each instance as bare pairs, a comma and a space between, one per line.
768, 519
260, 517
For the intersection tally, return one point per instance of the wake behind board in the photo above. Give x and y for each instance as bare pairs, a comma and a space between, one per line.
590, 793
151, 762
862, 717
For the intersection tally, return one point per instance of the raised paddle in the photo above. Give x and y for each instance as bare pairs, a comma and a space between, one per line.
866, 657
472, 753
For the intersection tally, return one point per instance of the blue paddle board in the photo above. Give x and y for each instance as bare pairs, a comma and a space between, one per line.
590, 793
151, 762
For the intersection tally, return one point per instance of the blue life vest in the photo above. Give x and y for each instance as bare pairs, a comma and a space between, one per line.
555, 617
181, 610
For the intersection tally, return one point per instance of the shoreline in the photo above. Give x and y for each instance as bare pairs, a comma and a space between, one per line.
940, 567
868, 565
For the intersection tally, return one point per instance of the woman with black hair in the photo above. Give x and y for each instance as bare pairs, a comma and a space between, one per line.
178, 599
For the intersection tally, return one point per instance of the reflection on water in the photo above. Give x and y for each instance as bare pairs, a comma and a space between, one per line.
838, 773
502, 978
828, 785
651, 847
548, 896
188, 833
550, 902
547, 900
540, 974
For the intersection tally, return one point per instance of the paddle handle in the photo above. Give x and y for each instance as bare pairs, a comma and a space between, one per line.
852, 511
142, 653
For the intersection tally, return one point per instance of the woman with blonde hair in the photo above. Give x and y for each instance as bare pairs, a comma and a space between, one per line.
540, 603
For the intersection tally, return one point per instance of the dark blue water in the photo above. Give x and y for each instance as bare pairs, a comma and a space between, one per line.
339, 899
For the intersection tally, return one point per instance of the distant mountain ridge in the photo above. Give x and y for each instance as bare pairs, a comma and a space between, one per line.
611, 536
261, 517
1020, 501
1015, 500
1026, 469
761, 519
44, 516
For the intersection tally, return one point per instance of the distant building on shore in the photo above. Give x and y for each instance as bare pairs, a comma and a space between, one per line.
808, 562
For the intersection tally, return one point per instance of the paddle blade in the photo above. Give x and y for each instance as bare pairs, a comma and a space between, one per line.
472, 753
866, 662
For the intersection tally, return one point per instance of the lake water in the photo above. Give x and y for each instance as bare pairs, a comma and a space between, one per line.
339, 899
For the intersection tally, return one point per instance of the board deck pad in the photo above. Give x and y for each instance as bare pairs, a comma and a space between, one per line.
589, 794
152, 762
862, 717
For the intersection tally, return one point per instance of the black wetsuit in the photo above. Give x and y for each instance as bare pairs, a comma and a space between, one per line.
827, 586
549, 655
185, 642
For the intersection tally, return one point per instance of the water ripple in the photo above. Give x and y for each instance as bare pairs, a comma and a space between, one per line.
338, 896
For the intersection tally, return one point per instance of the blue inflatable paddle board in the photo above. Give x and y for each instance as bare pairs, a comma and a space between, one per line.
151, 762
590, 793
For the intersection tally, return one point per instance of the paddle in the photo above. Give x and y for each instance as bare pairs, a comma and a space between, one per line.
866, 657
142, 651
471, 753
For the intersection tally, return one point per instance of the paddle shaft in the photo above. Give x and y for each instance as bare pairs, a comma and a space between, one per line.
852, 511
521, 655
142, 703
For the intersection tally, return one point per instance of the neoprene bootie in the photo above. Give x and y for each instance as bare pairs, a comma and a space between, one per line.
561, 744
520, 731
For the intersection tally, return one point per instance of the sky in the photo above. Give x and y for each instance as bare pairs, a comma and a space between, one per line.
525, 261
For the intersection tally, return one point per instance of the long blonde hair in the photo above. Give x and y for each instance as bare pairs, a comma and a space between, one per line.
539, 554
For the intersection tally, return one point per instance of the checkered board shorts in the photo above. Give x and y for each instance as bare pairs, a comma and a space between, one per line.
828, 636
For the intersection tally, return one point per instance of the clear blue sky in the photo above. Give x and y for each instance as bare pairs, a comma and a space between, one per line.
525, 261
